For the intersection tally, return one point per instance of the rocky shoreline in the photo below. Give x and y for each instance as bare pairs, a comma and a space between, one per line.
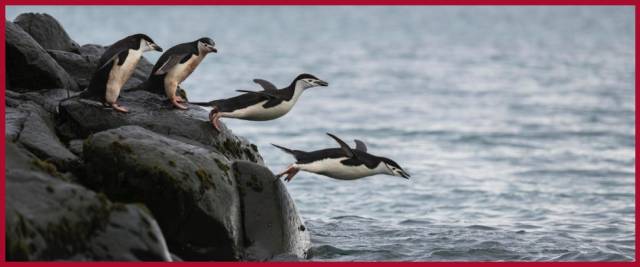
157, 184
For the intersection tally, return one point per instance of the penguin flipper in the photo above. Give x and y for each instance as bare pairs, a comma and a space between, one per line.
267, 85
121, 56
360, 145
345, 148
171, 62
206, 104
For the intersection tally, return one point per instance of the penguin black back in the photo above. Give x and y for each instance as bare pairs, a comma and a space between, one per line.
155, 83
129, 42
248, 99
97, 85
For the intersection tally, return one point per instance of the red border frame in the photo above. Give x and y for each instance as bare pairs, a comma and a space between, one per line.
321, 2
306, 2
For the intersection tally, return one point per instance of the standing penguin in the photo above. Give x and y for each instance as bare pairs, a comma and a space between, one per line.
175, 65
269, 104
115, 67
341, 163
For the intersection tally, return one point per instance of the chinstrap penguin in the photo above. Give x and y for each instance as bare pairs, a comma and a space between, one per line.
342, 163
115, 67
268, 104
175, 65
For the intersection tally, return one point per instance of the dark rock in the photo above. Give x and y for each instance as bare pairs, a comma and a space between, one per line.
14, 120
175, 258
272, 227
47, 31
48, 99
51, 219
32, 126
287, 258
75, 146
190, 191
143, 69
94, 50
29, 67
81, 66
80, 118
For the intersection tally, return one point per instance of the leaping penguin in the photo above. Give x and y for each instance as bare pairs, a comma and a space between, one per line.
269, 104
115, 67
341, 163
175, 65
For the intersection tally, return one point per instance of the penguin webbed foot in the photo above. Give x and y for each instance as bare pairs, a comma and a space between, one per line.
119, 108
214, 118
278, 177
174, 102
179, 99
290, 172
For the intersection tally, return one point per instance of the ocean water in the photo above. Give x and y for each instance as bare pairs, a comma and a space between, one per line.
516, 123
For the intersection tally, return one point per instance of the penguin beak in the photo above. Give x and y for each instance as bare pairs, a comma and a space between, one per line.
404, 175
213, 49
157, 47
321, 83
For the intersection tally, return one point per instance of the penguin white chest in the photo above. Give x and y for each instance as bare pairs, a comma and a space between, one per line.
120, 73
257, 112
181, 71
335, 169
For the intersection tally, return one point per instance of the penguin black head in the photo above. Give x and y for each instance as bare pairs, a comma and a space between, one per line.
308, 81
207, 45
394, 169
145, 41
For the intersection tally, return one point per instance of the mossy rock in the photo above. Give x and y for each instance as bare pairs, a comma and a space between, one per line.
52, 219
187, 188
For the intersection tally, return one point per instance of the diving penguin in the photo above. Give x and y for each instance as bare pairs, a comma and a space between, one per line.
115, 67
341, 163
269, 104
175, 65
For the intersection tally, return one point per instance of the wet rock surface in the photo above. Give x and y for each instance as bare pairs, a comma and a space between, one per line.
80, 118
272, 228
47, 31
49, 218
189, 190
85, 182
35, 130
29, 67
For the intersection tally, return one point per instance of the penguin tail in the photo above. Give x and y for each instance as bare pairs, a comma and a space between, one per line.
295, 153
68, 98
207, 104
81, 94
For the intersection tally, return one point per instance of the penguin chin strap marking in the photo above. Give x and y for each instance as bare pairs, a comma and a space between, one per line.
214, 118
291, 171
